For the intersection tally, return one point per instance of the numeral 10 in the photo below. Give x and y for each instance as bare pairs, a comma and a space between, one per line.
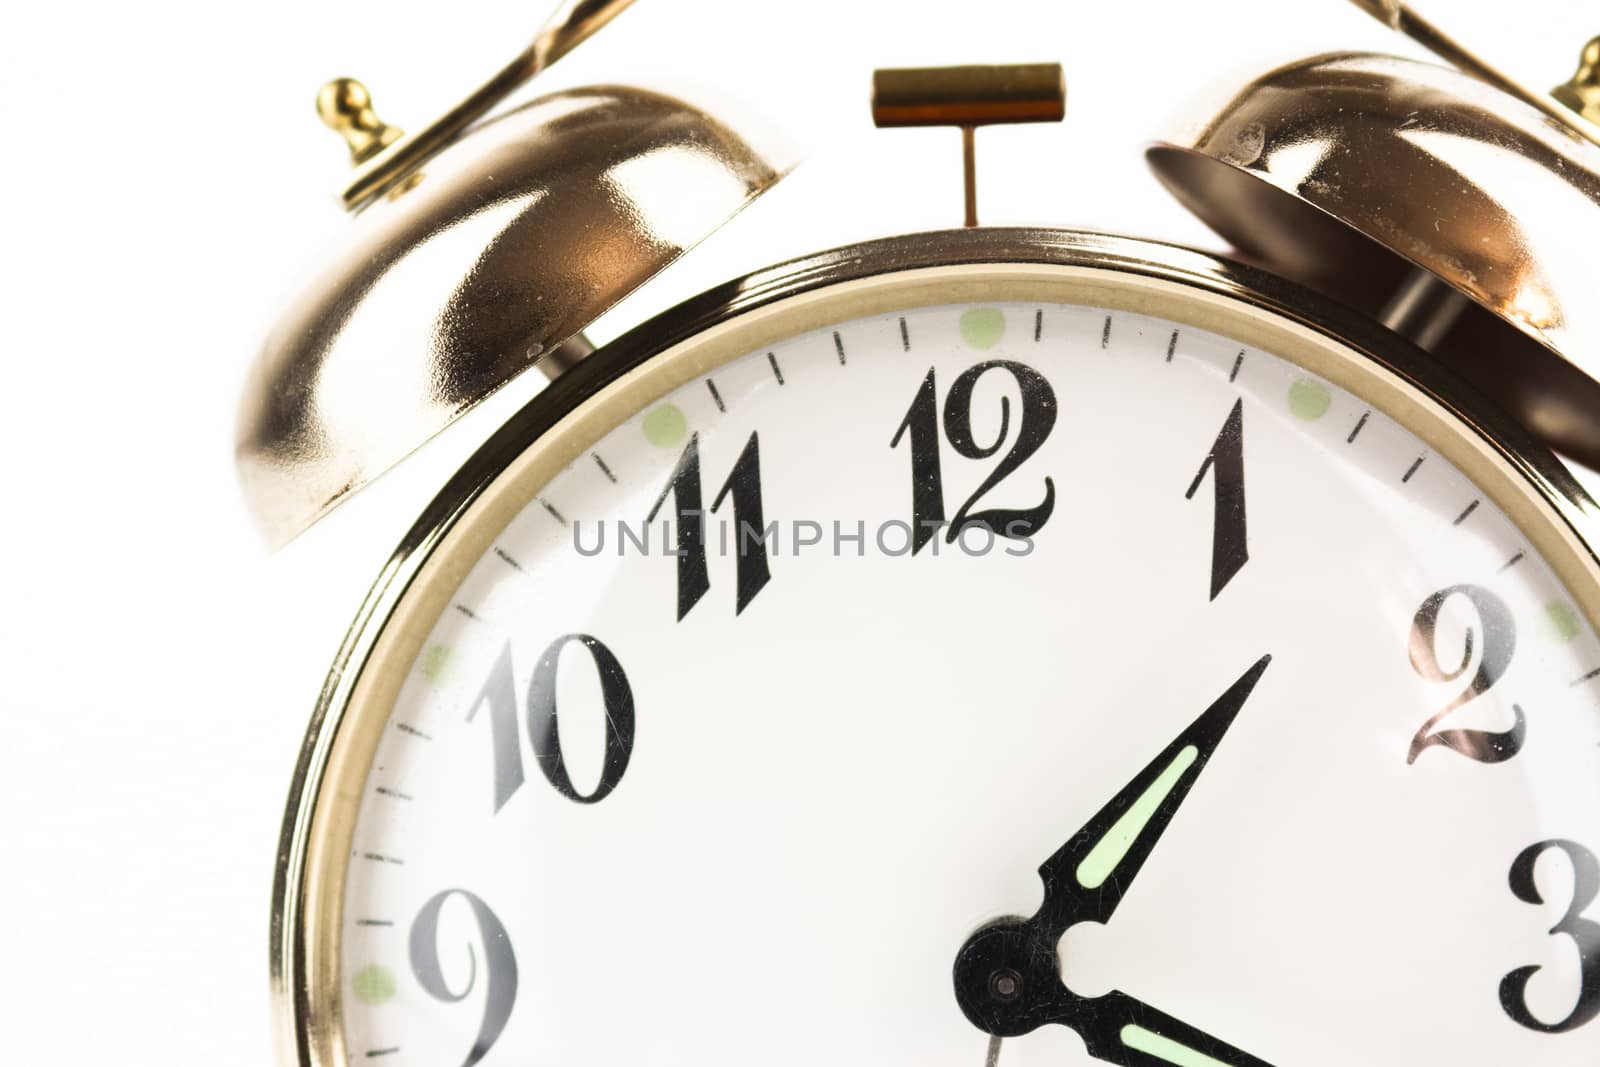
499, 693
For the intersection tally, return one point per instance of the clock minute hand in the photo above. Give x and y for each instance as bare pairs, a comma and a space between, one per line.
1118, 1029
1087, 877
1115, 1028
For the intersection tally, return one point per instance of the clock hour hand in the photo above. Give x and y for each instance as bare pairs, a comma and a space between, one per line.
1008, 974
1087, 877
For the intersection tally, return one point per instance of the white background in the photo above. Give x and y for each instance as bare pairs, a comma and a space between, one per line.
165, 182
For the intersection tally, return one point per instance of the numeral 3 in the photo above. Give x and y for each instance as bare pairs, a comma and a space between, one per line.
1585, 935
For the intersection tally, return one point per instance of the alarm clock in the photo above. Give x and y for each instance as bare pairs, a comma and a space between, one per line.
965, 645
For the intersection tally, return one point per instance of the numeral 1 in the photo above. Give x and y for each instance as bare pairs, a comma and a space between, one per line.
927, 481
1225, 461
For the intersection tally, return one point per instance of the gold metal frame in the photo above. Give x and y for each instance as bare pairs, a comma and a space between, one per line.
1185, 286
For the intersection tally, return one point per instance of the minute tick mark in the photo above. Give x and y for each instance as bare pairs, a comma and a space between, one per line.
1461, 518
1238, 361
905, 335
513, 564
1406, 477
716, 396
1172, 345
1105, 333
598, 462
1362, 421
772, 358
562, 519
838, 345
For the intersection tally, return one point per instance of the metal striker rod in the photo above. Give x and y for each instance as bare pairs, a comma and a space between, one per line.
571, 24
1401, 18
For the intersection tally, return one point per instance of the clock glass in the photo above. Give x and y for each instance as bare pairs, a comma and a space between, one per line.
966, 664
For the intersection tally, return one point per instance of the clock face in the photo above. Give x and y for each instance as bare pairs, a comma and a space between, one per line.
984, 677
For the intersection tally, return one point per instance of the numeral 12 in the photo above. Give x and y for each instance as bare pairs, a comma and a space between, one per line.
921, 426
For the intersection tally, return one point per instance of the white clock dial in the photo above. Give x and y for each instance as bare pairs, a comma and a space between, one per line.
683, 804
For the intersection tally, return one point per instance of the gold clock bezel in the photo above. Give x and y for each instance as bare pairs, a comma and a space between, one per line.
556, 428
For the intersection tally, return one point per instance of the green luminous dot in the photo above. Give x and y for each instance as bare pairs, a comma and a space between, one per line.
982, 327
374, 984
1309, 399
665, 426
435, 662
1562, 619
1164, 1048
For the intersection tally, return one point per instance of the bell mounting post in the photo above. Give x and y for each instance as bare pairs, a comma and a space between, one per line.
969, 97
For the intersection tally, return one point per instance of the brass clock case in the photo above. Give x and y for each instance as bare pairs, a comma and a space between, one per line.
561, 423
1461, 217
486, 262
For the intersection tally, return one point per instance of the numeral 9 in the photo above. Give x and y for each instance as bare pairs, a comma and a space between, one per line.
500, 967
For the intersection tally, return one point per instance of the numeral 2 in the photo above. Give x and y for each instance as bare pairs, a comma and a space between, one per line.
1225, 461
1037, 419
1499, 642
749, 520
1585, 935
499, 693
